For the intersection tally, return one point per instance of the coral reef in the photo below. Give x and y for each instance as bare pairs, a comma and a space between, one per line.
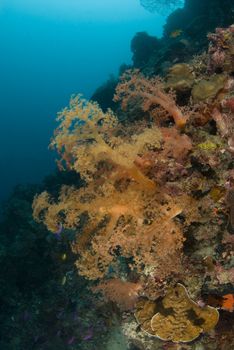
184, 36
129, 245
197, 18
221, 55
153, 215
208, 89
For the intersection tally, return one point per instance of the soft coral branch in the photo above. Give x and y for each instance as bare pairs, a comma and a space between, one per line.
86, 136
133, 84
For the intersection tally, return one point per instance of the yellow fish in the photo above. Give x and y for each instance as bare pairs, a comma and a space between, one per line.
64, 256
176, 33
64, 280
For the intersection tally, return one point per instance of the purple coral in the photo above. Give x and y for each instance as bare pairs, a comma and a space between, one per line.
220, 50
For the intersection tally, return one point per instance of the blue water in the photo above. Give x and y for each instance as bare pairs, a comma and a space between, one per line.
50, 50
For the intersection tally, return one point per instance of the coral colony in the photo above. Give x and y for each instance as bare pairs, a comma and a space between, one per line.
154, 219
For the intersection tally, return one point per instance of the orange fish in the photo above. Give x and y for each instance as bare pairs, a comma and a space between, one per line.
176, 33
225, 302
228, 302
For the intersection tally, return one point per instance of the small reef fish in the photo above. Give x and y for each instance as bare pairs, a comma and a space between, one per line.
64, 256
228, 302
225, 302
176, 33
59, 231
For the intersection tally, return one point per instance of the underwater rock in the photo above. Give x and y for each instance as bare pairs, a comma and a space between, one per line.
142, 47
197, 18
104, 94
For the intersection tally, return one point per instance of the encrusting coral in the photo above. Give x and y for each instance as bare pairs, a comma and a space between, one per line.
180, 77
177, 317
207, 89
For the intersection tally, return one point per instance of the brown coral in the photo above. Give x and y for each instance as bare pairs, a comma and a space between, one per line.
119, 211
124, 294
85, 137
180, 77
208, 89
178, 318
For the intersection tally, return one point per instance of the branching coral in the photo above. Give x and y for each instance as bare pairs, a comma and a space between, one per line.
134, 85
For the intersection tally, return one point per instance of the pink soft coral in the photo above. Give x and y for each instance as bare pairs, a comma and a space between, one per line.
150, 90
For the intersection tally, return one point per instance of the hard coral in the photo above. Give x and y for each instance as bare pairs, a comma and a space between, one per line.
178, 318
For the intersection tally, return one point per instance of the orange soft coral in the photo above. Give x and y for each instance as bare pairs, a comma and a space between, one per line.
120, 212
86, 137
